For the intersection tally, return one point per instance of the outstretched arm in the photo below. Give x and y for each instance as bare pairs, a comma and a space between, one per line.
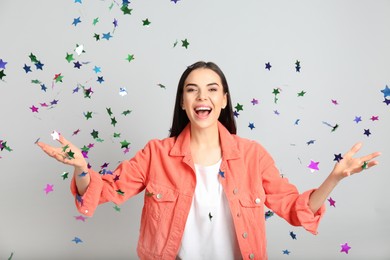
344, 168
71, 155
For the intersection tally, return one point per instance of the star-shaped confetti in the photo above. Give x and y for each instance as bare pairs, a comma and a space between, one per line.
77, 240
293, 235
345, 248
221, 173
310, 142
58, 77
65, 175
357, 119
301, 94
268, 214
2, 64
95, 134
81, 218
185, 43
386, 91
251, 125
95, 21
367, 132
48, 188
313, 166
374, 118
100, 79
55, 135
107, 36
126, 10
122, 92
337, 157
97, 69
125, 144
76, 21
254, 101
130, 57
70, 154
276, 92
117, 208
268, 66
96, 36
109, 111
26, 68
2, 74
126, 112
88, 115
33, 58
113, 121
332, 202
286, 252
298, 66
39, 65
146, 22
239, 107
34, 109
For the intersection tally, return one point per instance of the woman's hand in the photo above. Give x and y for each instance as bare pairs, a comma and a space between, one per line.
349, 165
67, 153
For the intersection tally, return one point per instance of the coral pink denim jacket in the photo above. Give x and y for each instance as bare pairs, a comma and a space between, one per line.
165, 170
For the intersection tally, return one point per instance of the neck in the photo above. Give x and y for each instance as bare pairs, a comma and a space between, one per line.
204, 138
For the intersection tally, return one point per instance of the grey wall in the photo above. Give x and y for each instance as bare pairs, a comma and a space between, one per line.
343, 49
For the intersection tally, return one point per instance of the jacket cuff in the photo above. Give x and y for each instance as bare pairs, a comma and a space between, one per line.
309, 220
88, 203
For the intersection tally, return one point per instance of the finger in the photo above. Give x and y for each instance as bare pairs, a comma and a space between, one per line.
62, 140
353, 150
370, 156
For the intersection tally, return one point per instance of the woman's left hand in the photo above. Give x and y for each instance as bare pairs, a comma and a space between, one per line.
350, 165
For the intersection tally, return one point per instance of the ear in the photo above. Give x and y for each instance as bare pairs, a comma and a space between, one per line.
225, 99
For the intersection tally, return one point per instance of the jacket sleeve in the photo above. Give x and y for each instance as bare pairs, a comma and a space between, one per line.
284, 199
127, 180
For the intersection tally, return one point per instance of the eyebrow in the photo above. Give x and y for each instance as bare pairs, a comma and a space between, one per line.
195, 85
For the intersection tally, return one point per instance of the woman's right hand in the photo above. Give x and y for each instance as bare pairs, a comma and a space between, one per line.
67, 153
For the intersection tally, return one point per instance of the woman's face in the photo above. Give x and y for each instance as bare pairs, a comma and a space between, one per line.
203, 97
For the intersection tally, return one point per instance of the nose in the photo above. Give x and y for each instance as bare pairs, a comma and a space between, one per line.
202, 95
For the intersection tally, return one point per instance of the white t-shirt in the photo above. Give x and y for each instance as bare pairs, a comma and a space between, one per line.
209, 231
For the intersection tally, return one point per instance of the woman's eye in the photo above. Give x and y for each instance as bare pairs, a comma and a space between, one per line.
213, 89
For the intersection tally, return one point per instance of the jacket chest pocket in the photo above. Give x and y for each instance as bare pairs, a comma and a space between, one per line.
252, 206
158, 200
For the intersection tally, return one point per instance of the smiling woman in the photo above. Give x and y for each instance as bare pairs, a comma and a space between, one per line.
205, 187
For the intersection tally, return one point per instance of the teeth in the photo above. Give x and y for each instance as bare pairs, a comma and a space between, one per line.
202, 109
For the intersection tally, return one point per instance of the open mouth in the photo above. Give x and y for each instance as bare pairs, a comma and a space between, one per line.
203, 111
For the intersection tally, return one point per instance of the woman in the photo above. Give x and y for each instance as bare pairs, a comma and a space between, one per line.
205, 187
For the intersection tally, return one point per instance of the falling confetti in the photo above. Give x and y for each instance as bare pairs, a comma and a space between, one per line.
345, 248
185, 43
122, 92
332, 202
49, 188
77, 240
313, 166
293, 235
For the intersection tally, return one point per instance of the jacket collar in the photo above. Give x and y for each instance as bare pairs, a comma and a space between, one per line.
229, 145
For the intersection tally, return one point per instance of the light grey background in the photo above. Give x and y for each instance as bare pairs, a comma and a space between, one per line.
343, 48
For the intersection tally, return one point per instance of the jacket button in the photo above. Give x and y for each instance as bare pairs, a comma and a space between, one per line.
252, 256
86, 211
235, 191
257, 200
159, 196
244, 235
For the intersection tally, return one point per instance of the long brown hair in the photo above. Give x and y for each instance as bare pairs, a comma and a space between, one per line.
180, 119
